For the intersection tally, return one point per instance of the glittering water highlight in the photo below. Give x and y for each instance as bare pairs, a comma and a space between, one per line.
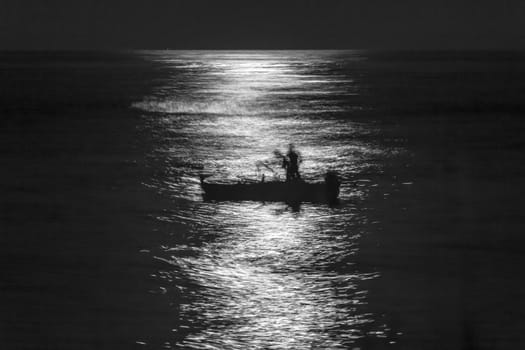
261, 275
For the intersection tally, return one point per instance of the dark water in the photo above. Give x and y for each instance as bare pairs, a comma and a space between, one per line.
107, 243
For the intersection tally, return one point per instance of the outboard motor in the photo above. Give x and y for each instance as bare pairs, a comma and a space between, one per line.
332, 185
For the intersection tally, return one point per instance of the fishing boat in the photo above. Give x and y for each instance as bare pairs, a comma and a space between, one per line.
294, 191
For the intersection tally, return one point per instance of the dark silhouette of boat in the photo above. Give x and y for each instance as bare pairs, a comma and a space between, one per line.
295, 191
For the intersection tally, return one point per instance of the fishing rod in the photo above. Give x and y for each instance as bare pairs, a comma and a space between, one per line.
261, 163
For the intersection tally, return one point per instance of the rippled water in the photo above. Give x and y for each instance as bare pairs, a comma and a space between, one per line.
108, 244
256, 275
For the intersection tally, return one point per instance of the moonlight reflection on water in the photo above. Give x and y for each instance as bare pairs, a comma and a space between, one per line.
272, 278
254, 275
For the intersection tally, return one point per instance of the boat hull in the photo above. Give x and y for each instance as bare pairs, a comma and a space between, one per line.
290, 192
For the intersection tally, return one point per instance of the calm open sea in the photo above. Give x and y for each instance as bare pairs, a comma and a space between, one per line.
106, 242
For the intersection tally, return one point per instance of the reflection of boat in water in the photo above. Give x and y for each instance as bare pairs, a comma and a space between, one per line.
294, 191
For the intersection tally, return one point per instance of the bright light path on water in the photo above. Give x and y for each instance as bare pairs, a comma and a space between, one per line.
247, 274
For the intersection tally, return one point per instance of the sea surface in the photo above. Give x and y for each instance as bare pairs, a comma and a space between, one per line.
107, 243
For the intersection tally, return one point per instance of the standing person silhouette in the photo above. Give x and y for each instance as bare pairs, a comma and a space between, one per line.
292, 161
